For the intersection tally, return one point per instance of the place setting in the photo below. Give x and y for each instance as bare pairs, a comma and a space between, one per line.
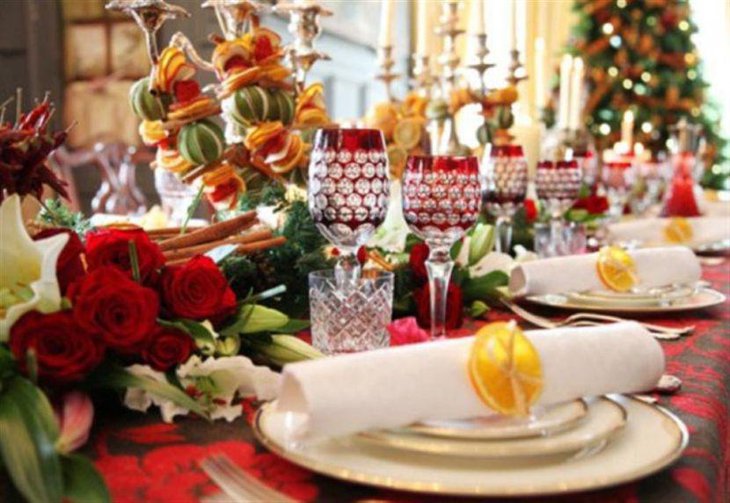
364, 251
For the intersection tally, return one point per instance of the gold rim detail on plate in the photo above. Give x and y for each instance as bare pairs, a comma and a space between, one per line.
428, 487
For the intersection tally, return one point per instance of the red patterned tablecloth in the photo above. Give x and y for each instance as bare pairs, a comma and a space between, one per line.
145, 460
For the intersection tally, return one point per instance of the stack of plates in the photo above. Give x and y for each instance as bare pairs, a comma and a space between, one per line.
657, 300
575, 446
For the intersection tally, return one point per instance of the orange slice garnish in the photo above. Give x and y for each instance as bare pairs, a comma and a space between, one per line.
616, 269
505, 369
678, 230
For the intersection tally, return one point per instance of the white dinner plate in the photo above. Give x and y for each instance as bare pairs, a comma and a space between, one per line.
605, 418
702, 298
652, 439
545, 420
654, 297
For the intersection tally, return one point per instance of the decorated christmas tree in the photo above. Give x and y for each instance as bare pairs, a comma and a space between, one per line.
640, 56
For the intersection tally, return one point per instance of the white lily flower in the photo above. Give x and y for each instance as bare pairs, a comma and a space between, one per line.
27, 268
391, 235
494, 261
217, 380
141, 400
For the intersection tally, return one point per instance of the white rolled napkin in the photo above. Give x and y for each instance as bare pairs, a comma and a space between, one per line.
578, 273
650, 231
394, 387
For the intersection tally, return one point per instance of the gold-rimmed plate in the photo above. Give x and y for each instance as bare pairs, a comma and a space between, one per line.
652, 439
605, 418
544, 421
702, 298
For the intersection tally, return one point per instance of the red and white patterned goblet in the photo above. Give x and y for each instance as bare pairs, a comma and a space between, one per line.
348, 191
441, 200
506, 188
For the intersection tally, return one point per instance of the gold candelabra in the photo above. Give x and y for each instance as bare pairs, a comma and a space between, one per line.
386, 74
422, 76
305, 27
448, 29
515, 75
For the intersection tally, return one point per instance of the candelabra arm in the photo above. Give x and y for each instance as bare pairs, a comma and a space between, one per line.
182, 42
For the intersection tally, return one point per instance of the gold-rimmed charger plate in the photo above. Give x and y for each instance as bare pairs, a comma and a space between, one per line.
652, 439
605, 418
546, 420
702, 298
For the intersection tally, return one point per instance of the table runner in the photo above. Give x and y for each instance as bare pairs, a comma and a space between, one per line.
146, 460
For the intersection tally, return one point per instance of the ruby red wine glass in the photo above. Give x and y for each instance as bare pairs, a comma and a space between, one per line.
558, 185
506, 188
348, 191
618, 178
441, 200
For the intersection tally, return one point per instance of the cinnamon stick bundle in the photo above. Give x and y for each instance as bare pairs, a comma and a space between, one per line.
241, 249
189, 251
214, 232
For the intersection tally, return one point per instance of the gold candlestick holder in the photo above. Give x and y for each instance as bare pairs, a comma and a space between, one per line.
150, 15
449, 31
515, 75
234, 16
480, 64
305, 27
386, 74
422, 76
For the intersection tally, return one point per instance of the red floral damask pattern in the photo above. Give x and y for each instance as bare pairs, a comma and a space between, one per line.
144, 460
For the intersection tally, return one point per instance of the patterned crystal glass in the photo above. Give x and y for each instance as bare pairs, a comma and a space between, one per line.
618, 178
506, 188
348, 191
351, 320
441, 200
558, 185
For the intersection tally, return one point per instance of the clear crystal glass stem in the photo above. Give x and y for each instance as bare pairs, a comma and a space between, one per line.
347, 269
504, 233
439, 266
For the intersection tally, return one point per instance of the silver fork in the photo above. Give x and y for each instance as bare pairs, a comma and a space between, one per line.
659, 331
236, 483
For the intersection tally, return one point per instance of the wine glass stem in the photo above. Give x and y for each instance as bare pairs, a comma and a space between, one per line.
504, 233
439, 266
347, 269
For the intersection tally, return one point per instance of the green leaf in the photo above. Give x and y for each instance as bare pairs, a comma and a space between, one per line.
7, 363
481, 242
134, 261
285, 349
254, 318
204, 340
118, 378
478, 308
294, 326
192, 209
82, 482
456, 249
28, 434
484, 287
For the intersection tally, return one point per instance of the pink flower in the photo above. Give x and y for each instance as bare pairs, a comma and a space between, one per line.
406, 331
74, 416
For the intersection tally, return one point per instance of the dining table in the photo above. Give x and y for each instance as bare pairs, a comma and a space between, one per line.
143, 459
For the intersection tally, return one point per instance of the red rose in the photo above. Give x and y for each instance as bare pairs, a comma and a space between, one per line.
530, 210
69, 266
197, 290
64, 351
121, 311
597, 205
417, 261
167, 347
111, 247
454, 306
